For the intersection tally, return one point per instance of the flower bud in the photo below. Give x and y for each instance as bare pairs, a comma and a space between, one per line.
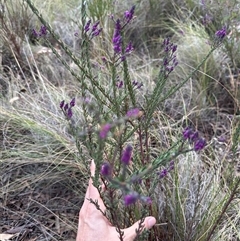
106, 169
127, 154
130, 198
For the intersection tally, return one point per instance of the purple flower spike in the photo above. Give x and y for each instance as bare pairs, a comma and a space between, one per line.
127, 154
199, 144
106, 169
87, 26
129, 14
169, 61
61, 104
133, 113
117, 39
104, 130
72, 103
130, 198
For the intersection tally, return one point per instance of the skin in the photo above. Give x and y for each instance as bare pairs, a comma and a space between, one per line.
93, 226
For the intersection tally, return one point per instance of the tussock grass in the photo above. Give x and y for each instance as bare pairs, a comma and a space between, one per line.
191, 198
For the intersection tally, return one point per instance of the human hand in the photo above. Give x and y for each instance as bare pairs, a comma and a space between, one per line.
93, 226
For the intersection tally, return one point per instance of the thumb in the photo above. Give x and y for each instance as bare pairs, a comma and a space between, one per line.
130, 233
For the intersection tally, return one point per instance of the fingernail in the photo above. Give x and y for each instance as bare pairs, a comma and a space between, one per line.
151, 222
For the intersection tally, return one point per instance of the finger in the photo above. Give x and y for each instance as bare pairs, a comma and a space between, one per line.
92, 193
130, 233
92, 168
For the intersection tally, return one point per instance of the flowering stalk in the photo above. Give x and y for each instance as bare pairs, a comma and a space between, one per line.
118, 166
220, 35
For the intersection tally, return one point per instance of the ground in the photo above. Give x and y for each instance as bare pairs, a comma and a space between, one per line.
43, 211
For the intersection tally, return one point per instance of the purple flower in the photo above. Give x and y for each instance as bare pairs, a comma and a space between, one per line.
129, 48
104, 130
137, 84
220, 34
171, 166
43, 31
187, 132
87, 26
117, 43
133, 113
97, 32
61, 104
72, 103
104, 60
169, 61
163, 173
95, 25
174, 48
123, 57
193, 137
35, 33
199, 144
116, 37
66, 107
119, 84
166, 41
134, 83
130, 198
106, 169
129, 14
165, 62
126, 155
